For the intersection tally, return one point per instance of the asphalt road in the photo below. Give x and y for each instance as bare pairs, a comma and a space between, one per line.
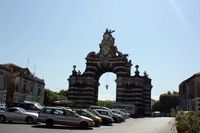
140, 125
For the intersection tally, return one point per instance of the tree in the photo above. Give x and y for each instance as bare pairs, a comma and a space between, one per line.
156, 106
168, 101
106, 103
63, 92
51, 96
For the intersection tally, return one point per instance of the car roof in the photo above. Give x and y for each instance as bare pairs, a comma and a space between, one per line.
14, 108
101, 110
79, 109
53, 107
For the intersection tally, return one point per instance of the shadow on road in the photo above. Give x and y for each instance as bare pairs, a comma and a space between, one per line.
60, 127
15, 123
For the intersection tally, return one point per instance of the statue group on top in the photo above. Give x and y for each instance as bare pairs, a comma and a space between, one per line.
107, 47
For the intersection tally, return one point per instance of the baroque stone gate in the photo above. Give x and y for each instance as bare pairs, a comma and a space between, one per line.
135, 90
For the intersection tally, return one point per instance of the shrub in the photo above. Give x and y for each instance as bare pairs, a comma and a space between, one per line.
188, 123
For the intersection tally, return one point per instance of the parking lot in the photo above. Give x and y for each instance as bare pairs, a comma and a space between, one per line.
140, 125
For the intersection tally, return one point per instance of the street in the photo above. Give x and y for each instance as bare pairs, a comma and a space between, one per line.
139, 125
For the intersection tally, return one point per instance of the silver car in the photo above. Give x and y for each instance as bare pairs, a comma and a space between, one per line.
18, 114
60, 115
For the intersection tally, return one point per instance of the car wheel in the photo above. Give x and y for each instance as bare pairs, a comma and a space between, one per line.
2, 118
29, 120
84, 124
49, 123
97, 124
115, 119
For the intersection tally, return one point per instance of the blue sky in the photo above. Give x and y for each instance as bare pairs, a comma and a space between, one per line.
162, 37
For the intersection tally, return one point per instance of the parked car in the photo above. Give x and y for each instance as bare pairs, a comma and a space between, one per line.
125, 107
106, 120
97, 120
60, 115
116, 117
31, 106
126, 113
18, 114
122, 114
156, 114
109, 114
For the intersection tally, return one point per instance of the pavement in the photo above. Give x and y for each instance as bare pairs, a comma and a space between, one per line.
139, 125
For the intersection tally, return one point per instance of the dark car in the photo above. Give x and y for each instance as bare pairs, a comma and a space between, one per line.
106, 120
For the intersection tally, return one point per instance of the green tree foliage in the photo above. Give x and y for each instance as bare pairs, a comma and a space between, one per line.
168, 101
106, 103
51, 96
174, 112
63, 93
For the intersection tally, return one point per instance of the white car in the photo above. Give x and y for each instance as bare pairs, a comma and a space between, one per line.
60, 115
156, 114
17, 114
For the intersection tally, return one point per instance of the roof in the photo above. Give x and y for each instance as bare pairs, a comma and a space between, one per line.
193, 76
21, 71
16, 68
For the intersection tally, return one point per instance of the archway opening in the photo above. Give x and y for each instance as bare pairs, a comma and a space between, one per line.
107, 87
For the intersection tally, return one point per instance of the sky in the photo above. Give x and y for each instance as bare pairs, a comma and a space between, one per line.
50, 36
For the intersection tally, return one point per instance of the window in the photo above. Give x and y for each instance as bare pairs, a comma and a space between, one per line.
69, 113
85, 114
24, 88
39, 90
17, 88
1, 81
58, 112
31, 89
25, 106
12, 110
48, 111
103, 112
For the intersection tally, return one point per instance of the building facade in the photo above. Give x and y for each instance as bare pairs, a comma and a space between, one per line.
189, 93
130, 90
19, 84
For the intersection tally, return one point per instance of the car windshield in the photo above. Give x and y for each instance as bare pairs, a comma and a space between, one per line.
91, 114
38, 106
95, 112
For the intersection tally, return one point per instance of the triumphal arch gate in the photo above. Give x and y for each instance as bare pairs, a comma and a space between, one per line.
132, 90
